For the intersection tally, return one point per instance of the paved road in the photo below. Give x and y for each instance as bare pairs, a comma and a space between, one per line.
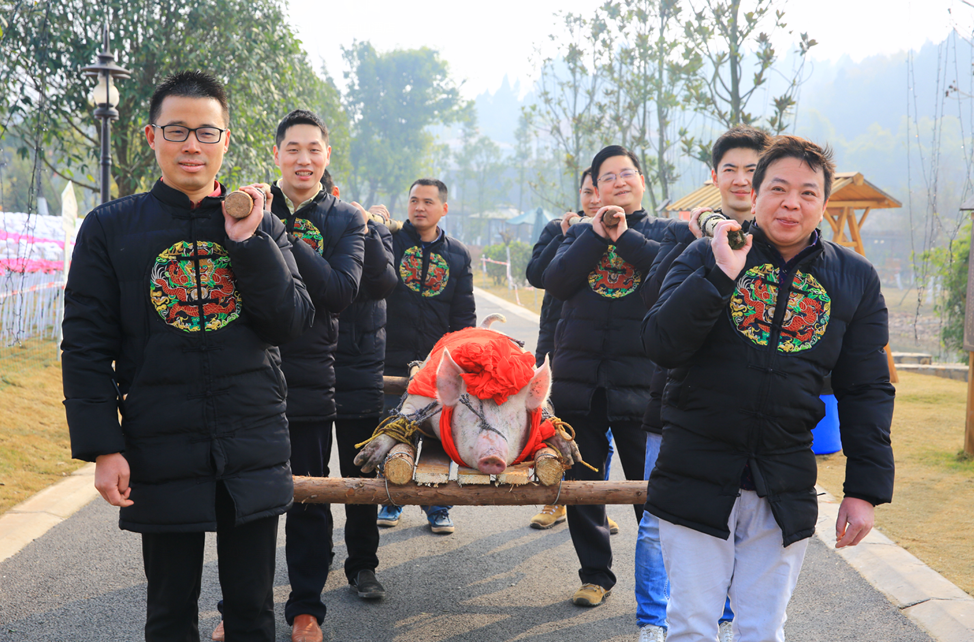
494, 579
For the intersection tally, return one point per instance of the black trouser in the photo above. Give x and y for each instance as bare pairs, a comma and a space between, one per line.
174, 567
308, 528
587, 524
361, 531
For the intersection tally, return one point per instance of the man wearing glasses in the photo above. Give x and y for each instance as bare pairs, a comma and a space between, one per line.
601, 377
172, 313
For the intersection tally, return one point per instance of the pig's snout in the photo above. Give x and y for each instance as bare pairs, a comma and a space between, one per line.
491, 465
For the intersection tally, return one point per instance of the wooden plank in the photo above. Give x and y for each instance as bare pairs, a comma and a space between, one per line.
830, 217
432, 465
472, 476
517, 475
854, 233
364, 490
879, 203
839, 236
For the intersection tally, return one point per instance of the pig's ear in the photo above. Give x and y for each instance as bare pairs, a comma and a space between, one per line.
539, 386
449, 383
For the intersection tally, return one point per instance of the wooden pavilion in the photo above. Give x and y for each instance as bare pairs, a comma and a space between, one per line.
851, 192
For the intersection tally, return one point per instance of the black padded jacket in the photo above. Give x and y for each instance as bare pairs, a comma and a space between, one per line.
542, 253
362, 332
434, 296
597, 337
329, 258
747, 359
174, 325
676, 239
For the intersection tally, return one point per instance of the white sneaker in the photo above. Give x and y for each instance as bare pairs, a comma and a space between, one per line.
726, 632
650, 633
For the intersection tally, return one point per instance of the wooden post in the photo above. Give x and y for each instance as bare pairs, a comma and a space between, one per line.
399, 463
359, 490
547, 466
969, 428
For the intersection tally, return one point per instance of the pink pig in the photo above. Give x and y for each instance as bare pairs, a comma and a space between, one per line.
487, 435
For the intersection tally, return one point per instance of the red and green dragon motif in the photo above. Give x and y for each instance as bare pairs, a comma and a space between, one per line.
411, 272
177, 290
806, 316
307, 232
614, 277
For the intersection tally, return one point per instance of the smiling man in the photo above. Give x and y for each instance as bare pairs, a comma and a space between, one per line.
172, 312
329, 249
748, 336
599, 380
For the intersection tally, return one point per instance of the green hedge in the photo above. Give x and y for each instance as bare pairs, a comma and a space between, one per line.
520, 255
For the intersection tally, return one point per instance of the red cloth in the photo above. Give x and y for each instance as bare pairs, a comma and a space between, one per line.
494, 366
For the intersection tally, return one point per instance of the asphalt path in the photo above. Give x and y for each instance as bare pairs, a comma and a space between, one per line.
494, 579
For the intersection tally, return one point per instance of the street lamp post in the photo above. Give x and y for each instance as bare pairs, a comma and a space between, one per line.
105, 98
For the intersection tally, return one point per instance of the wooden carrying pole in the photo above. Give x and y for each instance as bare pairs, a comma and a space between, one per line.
356, 490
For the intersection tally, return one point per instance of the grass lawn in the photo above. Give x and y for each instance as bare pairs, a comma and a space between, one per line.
932, 514
34, 447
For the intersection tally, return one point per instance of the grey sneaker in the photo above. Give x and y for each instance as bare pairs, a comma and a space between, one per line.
651, 633
726, 632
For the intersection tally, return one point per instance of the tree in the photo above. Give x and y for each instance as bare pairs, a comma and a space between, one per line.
646, 77
567, 111
392, 100
259, 60
718, 36
482, 160
951, 263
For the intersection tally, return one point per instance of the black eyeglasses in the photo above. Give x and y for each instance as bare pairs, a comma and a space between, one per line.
178, 133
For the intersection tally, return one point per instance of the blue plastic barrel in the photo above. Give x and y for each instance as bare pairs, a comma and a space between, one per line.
825, 436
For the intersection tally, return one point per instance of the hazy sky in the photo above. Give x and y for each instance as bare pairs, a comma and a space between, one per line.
482, 45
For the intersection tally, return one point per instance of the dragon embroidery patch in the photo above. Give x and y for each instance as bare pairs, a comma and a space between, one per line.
411, 272
806, 315
307, 232
189, 299
614, 277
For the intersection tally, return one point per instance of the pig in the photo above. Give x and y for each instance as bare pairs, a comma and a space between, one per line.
487, 435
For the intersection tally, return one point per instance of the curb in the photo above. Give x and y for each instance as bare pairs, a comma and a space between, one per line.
507, 305
925, 596
30, 519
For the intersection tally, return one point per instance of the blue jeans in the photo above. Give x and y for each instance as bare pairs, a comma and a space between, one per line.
652, 587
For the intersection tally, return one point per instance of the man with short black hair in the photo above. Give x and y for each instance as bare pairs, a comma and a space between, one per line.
434, 296
172, 312
544, 250
599, 381
734, 158
329, 249
748, 336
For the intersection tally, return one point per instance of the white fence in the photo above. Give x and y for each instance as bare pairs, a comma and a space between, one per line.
31, 277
